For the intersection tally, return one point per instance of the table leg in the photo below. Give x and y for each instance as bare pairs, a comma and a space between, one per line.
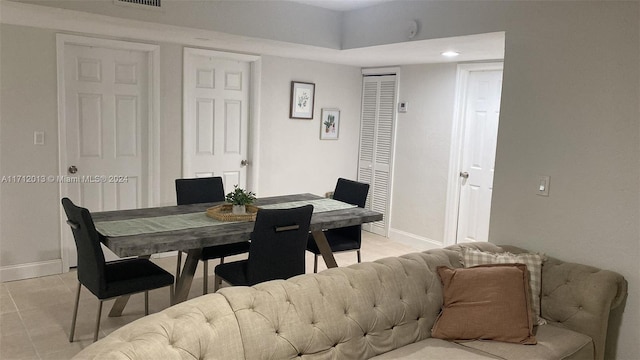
118, 306
121, 301
183, 282
325, 250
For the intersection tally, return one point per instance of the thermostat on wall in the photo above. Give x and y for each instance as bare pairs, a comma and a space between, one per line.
402, 107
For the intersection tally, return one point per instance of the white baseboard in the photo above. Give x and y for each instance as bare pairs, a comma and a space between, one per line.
418, 242
30, 270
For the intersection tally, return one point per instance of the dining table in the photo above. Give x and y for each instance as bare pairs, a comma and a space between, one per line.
147, 231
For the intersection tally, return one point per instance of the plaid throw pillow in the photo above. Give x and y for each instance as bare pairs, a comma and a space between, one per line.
472, 257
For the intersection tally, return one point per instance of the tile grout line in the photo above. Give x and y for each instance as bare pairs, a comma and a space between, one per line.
19, 312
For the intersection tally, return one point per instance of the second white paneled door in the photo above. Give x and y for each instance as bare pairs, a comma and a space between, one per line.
216, 114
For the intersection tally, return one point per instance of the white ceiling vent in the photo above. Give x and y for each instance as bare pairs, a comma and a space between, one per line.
148, 4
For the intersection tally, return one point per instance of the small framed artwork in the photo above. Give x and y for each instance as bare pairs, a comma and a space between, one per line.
302, 100
330, 124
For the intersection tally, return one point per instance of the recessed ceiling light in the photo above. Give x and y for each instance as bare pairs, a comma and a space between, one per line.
450, 53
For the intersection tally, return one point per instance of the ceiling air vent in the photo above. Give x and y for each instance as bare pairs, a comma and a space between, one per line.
152, 4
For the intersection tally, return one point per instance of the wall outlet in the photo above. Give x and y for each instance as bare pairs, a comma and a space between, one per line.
402, 106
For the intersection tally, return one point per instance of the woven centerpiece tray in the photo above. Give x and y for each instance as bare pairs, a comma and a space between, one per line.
223, 213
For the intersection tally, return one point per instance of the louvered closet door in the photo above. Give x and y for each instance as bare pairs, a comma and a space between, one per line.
376, 145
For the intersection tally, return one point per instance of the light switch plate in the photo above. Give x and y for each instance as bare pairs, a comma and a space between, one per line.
38, 137
402, 107
543, 185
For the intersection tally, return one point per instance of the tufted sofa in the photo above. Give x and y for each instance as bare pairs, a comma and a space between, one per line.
380, 310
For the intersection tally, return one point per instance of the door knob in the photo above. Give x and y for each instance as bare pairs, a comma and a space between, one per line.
244, 163
464, 175
72, 169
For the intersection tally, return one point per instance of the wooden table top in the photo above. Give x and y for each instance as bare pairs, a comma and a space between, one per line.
152, 243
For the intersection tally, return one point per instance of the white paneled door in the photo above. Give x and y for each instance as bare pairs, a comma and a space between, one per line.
481, 114
106, 110
216, 114
376, 145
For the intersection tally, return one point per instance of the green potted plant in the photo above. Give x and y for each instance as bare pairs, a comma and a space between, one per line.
239, 199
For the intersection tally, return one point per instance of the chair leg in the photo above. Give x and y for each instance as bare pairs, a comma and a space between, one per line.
95, 335
218, 282
205, 277
172, 294
75, 313
146, 303
220, 279
359, 256
315, 263
178, 264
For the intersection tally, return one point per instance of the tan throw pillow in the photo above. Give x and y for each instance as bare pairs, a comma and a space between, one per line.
472, 257
487, 302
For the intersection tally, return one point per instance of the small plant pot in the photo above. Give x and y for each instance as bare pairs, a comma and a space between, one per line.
238, 209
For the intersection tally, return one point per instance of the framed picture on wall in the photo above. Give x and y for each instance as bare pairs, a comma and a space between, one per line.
302, 95
329, 124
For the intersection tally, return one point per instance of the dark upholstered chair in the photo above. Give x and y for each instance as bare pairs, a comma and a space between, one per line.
277, 248
107, 280
346, 238
205, 190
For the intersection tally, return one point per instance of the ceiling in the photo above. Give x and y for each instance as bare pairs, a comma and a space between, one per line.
341, 5
471, 48
478, 47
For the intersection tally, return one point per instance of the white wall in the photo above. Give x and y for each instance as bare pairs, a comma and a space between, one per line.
29, 212
421, 164
171, 121
569, 110
292, 156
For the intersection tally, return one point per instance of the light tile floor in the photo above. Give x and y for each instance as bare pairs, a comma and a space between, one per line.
35, 314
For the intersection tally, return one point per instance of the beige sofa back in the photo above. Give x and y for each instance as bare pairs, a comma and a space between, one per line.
354, 312
343, 313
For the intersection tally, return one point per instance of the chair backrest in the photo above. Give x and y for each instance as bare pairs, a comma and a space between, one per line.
199, 190
278, 244
91, 263
352, 192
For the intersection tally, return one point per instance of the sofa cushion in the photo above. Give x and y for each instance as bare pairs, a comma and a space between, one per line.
472, 257
554, 343
435, 349
489, 302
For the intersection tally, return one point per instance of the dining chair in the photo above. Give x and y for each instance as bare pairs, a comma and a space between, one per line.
107, 280
346, 238
277, 248
205, 190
